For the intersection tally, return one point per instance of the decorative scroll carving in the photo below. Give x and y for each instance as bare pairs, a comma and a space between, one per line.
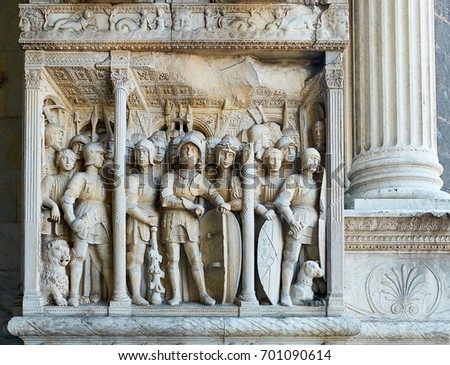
152, 23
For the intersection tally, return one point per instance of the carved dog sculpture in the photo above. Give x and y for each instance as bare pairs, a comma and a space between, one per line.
301, 290
54, 280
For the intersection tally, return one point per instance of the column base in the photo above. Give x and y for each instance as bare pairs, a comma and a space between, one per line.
441, 204
398, 174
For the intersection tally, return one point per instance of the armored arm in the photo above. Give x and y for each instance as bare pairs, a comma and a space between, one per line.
168, 198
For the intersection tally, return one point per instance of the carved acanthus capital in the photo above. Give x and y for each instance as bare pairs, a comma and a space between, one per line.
122, 80
334, 72
33, 79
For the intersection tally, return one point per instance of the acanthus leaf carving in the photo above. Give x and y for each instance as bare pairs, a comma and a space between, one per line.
121, 80
33, 79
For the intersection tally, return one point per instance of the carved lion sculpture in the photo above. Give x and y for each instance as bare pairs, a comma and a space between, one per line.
54, 280
301, 290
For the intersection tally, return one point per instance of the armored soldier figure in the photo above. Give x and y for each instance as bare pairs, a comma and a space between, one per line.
181, 213
228, 186
142, 193
86, 208
301, 204
53, 187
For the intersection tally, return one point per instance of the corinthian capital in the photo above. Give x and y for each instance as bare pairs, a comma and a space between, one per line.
334, 71
122, 80
33, 79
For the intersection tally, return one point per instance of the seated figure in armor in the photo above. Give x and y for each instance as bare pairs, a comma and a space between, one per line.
301, 204
86, 209
142, 193
181, 213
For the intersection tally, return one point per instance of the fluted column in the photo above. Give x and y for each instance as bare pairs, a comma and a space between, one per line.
122, 87
334, 78
32, 164
395, 154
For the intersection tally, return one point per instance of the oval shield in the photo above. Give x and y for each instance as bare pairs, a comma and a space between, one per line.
269, 258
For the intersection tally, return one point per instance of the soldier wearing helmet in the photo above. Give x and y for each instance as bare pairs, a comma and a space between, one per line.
76, 144
54, 136
227, 184
142, 194
301, 203
85, 203
181, 213
53, 186
289, 150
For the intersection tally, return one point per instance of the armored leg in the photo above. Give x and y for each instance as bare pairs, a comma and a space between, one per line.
135, 259
195, 260
290, 257
79, 252
173, 270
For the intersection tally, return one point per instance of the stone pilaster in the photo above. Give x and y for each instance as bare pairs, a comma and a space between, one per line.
395, 153
334, 78
32, 164
123, 86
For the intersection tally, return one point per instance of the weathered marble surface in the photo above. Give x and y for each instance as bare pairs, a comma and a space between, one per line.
167, 330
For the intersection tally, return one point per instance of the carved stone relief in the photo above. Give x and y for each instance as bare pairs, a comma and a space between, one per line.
319, 26
189, 118
397, 290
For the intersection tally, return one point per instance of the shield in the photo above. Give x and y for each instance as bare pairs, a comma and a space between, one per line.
221, 248
269, 258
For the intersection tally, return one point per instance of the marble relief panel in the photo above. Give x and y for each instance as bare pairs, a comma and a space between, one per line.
193, 123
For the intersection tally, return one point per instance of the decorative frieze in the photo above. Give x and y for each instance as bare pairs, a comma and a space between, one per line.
145, 26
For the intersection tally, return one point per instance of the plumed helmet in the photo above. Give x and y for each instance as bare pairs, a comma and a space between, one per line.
89, 150
191, 138
149, 146
79, 138
307, 153
284, 142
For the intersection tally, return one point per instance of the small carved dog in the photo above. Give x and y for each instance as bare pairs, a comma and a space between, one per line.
301, 290
54, 280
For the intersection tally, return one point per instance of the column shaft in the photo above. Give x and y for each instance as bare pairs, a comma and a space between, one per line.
395, 153
32, 163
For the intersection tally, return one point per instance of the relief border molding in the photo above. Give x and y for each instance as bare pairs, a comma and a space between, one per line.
427, 233
138, 329
161, 27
